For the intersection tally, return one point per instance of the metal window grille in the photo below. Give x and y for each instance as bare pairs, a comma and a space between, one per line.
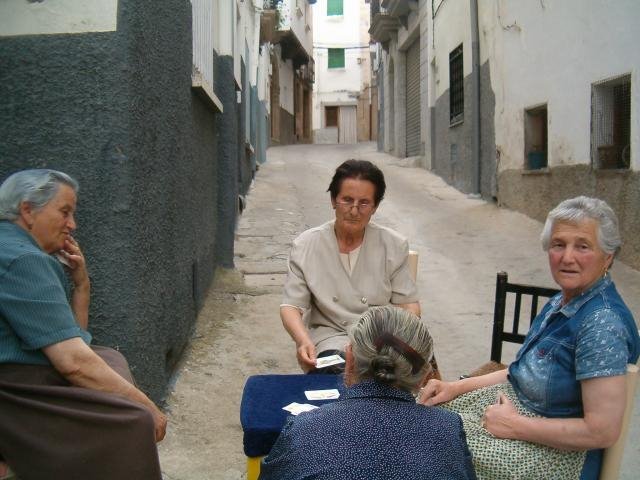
334, 7
336, 58
456, 86
611, 123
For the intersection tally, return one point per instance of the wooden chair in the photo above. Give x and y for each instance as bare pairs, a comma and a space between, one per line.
503, 287
612, 458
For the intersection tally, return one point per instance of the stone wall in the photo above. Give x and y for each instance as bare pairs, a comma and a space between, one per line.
116, 111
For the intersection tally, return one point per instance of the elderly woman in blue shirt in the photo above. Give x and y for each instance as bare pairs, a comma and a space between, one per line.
67, 409
376, 430
565, 392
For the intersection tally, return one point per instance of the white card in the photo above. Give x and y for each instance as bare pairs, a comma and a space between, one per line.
329, 394
330, 360
297, 408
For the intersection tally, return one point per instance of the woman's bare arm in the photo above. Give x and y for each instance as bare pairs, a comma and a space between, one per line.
603, 401
82, 367
293, 324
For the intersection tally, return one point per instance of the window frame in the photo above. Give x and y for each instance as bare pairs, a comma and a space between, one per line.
329, 58
610, 121
332, 108
456, 85
334, 6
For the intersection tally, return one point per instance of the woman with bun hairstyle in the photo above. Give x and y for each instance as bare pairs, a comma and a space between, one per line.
376, 430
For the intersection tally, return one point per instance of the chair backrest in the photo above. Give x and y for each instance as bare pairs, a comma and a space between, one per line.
413, 264
503, 287
612, 458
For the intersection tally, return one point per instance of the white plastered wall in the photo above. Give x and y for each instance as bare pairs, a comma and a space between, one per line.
451, 27
337, 86
551, 53
19, 17
286, 85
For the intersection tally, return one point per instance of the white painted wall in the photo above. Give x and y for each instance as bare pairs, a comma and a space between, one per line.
451, 28
551, 52
249, 33
286, 85
263, 79
297, 15
19, 17
339, 86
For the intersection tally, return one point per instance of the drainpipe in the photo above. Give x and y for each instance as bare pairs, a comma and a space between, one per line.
475, 97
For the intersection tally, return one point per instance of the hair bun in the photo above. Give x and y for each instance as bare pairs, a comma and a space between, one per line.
383, 369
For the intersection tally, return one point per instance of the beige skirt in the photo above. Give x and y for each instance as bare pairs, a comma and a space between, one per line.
504, 459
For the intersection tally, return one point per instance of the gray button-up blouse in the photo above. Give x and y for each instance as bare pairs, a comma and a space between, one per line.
318, 283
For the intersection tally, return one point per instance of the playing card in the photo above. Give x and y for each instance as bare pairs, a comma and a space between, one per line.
329, 394
297, 408
330, 360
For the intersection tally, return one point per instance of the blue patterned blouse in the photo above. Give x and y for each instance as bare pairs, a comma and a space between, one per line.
373, 432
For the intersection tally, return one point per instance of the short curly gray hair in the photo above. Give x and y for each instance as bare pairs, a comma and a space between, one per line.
37, 187
384, 363
579, 209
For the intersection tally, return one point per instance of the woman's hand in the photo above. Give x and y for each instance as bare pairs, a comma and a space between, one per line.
306, 354
436, 391
499, 418
77, 264
160, 422
80, 278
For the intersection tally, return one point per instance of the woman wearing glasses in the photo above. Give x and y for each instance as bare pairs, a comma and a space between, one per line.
341, 268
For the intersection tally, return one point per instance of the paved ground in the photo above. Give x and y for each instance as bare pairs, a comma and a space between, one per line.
462, 243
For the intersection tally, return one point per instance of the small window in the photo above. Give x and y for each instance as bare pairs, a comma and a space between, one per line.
336, 58
611, 123
331, 116
456, 86
334, 7
535, 137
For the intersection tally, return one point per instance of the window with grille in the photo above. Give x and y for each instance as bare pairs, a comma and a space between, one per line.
456, 86
331, 116
334, 7
336, 58
611, 123
535, 137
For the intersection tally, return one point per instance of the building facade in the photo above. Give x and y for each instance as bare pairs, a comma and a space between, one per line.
510, 109
292, 71
158, 113
342, 98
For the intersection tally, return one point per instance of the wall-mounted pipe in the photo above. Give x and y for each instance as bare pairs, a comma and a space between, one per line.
475, 98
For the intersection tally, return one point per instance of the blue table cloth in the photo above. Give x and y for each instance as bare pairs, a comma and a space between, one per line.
261, 413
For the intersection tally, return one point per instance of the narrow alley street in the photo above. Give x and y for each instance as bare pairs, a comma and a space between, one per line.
462, 242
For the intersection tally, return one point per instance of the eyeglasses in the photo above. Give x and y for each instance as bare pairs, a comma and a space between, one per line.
363, 207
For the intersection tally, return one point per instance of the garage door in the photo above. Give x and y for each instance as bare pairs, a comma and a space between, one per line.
347, 126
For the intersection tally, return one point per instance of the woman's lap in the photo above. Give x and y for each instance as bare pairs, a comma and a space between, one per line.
496, 458
47, 425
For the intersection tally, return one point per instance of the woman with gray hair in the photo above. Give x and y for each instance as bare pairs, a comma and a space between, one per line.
67, 409
376, 430
563, 398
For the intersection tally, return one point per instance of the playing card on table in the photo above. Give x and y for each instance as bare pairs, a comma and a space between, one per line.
330, 360
297, 408
329, 394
